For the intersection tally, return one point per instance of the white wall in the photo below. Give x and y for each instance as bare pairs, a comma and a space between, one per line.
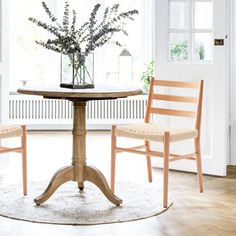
4, 70
4, 60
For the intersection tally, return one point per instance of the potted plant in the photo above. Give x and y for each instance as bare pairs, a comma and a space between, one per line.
76, 44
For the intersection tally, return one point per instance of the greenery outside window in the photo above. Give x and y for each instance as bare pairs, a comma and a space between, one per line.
190, 30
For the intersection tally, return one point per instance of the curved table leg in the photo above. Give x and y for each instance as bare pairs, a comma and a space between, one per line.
60, 177
95, 176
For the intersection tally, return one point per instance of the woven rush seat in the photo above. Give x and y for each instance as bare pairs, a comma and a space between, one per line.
152, 132
9, 131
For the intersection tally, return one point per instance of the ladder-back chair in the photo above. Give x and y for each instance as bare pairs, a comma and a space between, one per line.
10, 131
167, 135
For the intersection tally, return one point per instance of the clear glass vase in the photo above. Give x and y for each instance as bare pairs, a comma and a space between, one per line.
77, 71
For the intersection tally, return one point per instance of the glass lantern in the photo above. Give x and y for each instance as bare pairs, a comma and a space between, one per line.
77, 71
125, 67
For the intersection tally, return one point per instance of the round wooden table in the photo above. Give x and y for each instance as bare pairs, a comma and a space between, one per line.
79, 171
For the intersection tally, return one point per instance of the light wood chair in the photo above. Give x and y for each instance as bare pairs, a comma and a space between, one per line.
9, 131
167, 135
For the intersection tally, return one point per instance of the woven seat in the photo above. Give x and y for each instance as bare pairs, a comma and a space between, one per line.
10, 131
152, 132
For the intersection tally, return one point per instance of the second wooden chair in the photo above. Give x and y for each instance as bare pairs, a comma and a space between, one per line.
166, 135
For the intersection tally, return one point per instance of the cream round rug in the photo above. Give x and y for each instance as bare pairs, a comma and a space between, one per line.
69, 206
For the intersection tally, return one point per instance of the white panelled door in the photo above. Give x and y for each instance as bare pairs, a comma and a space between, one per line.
191, 44
4, 59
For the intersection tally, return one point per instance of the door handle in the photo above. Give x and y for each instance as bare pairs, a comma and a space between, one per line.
219, 42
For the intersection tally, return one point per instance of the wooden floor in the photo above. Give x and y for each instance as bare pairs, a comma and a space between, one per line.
211, 213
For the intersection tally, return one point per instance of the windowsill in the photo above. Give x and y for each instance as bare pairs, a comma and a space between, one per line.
191, 62
13, 93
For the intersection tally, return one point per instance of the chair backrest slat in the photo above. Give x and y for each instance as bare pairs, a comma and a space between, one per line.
153, 95
173, 98
171, 112
178, 84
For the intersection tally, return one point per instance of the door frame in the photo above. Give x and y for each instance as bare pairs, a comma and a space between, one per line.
232, 83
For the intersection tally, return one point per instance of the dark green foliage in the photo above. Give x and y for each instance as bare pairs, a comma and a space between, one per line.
67, 39
50, 15
66, 17
201, 52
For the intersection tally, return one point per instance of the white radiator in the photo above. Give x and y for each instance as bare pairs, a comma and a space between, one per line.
39, 113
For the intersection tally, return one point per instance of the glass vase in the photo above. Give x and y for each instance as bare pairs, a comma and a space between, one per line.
77, 71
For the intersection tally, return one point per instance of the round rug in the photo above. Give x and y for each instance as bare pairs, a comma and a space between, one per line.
70, 206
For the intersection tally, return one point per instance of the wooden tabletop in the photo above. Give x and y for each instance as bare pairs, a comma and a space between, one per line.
99, 92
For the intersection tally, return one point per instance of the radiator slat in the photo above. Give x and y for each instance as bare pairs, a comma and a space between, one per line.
27, 109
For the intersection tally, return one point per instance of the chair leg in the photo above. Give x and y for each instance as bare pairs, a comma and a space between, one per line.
199, 164
24, 160
149, 164
113, 157
166, 168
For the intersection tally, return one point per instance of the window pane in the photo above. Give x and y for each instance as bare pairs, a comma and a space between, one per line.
133, 43
36, 65
29, 62
203, 14
178, 45
202, 46
178, 15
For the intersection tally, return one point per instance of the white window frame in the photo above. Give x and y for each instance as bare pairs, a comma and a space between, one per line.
190, 30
